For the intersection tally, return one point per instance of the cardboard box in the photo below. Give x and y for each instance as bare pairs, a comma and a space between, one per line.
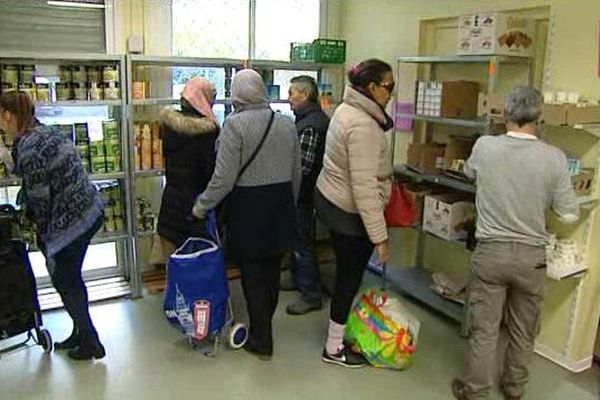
450, 99
446, 215
492, 105
426, 158
495, 34
416, 192
554, 114
458, 149
583, 115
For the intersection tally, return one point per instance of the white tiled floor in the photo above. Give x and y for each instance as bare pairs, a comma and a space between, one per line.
148, 360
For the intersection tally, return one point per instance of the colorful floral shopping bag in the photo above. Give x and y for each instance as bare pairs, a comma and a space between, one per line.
383, 330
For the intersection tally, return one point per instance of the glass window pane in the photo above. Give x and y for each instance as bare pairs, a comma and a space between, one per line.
203, 28
182, 74
282, 78
280, 22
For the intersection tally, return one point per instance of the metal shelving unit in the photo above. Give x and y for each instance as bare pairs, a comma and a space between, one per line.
165, 99
466, 123
121, 239
149, 173
80, 103
415, 281
442, 180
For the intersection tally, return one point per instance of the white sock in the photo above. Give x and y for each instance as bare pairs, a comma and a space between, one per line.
335, 337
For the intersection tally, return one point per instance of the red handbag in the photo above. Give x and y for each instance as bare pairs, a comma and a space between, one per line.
401, 211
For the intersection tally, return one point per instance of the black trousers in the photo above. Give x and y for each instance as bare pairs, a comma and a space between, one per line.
65, 273
260, 282
352, 254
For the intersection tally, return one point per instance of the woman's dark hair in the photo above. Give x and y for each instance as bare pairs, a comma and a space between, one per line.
368, 71
20, 105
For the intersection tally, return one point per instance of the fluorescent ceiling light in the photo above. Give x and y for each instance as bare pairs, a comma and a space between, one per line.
74, 4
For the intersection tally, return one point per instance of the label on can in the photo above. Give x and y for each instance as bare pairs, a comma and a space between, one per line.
64, 91
110, 73
10, 74
65, 74
42, 92
113, 163
81, 132
79, 91
79, 74
201, 319
98, 165
27, 74
112, 147
97, 148
110, 129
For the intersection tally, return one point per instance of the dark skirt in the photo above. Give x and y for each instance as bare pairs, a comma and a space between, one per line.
261, 221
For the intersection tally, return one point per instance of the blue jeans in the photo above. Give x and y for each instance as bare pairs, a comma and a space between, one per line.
305, 270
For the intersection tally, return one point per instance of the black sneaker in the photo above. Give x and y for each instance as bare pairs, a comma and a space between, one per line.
345, 358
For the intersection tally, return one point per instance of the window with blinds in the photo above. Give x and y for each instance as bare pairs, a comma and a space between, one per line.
36, 26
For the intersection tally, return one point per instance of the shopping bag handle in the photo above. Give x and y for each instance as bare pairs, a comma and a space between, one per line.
211, 226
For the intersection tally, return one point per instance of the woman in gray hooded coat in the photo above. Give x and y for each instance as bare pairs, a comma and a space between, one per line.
258, 168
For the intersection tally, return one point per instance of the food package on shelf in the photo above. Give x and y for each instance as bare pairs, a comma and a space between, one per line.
145, 217
137, 146
146, 147
456, 153
426, 158
157, 152
450, 99
564, 258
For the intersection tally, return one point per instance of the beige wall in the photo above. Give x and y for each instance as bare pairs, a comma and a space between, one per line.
388, 28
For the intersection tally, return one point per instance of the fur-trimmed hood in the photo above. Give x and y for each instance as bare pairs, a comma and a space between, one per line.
186, 125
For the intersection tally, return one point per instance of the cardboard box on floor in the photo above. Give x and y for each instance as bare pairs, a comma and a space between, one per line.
447, 215
495, 34
426, 158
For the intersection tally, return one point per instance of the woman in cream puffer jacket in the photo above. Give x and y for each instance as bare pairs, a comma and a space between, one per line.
352, 191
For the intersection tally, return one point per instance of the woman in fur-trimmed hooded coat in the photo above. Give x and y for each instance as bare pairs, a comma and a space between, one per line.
189, 137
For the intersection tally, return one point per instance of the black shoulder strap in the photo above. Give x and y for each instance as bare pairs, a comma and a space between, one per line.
260, 145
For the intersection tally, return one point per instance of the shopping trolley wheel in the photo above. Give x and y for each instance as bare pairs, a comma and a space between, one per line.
45, 340
238, 334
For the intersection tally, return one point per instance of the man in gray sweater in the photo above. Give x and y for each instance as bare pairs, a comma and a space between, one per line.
518, 178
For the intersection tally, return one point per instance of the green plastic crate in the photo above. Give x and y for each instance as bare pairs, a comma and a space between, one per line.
301, 52
329, 51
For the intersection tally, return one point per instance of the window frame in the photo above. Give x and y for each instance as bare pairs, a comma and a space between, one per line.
252, 27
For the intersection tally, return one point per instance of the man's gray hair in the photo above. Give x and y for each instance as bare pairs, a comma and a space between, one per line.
523, 106
307, 84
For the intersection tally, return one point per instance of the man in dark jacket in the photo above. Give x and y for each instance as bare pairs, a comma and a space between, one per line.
312, 124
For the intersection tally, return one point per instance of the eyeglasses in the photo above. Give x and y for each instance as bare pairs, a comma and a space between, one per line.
389, 86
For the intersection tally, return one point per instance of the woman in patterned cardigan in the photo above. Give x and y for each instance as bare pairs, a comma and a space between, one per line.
65, 207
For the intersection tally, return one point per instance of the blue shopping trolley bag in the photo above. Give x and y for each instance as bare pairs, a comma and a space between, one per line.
197, 292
